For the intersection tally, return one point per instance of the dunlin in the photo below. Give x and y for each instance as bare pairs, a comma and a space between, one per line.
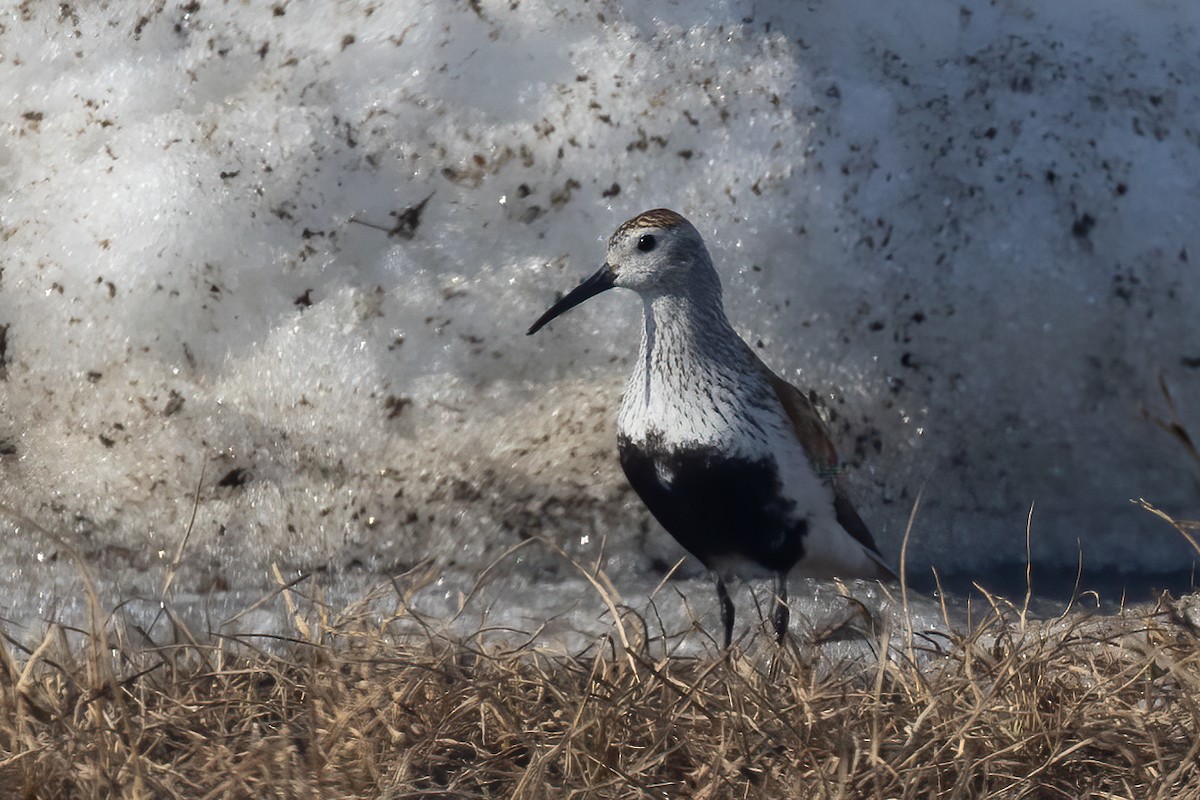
730, 458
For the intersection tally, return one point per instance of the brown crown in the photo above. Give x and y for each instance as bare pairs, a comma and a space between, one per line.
654, 218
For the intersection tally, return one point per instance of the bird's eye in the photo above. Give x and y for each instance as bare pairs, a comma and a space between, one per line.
646, 243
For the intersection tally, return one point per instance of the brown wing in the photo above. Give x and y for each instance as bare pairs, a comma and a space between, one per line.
810, 428
812, 433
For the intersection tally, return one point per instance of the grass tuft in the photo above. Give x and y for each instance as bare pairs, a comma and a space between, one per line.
1074, 707
358, 705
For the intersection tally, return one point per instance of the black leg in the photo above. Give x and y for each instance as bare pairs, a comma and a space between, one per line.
726, 609
782, 613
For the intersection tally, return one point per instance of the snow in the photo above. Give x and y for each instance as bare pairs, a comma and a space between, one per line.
967, 226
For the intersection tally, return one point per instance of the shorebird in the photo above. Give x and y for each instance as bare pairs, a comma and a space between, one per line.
730, 458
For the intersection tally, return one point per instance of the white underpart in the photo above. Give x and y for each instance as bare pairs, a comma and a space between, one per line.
696, 384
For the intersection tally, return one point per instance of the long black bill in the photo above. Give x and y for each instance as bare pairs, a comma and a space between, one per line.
601, 281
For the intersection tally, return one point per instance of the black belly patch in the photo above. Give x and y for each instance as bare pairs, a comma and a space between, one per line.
715, 505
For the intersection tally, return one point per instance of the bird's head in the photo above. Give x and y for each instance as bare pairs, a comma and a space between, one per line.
658, 252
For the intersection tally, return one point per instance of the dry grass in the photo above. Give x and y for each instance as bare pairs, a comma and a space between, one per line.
1080, 707
1076, 707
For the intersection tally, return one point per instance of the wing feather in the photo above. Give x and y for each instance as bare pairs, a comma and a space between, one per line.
810, 428
814, 436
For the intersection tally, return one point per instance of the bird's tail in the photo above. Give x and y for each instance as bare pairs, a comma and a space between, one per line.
885, 571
